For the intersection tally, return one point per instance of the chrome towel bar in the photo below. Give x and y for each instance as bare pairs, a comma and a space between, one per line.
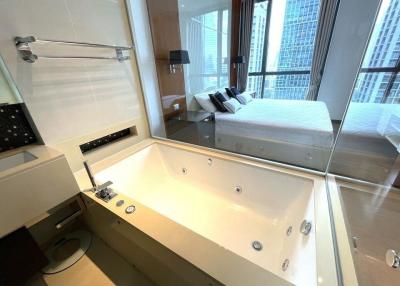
23, 46
68, 219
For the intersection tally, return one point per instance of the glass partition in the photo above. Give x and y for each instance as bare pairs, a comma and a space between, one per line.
9, 94
244, 78
367, 215
367, 147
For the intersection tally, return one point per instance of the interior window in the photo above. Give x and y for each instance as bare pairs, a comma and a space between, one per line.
251, 86
282, 45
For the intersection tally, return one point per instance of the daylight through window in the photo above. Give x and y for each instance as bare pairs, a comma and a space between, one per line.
282, 45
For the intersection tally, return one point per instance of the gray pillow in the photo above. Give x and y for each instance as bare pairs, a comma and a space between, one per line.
232, 105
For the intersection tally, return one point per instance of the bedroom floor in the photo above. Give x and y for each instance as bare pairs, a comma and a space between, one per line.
198, 133
204, 135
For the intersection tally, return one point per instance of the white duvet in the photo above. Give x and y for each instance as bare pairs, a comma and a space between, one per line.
369, 119
293, 121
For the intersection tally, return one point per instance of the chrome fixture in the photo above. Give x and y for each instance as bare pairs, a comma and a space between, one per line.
209, 161
130, 209
184, 171
289, 231
285, 265
355, 241
305, 227
238, 189
120, 203
103, 191
65, 221
393, 258
257, 245
23, 45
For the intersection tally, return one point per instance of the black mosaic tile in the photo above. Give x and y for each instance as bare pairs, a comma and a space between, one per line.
15, 130
89, 146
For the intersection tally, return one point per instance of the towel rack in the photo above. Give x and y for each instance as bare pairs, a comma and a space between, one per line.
23, 46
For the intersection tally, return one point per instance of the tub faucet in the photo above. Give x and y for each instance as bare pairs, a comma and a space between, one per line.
90, 174
102, 191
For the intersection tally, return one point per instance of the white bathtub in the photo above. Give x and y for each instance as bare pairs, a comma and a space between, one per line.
200, 192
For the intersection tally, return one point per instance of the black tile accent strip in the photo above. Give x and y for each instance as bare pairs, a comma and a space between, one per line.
15, 130
94, 144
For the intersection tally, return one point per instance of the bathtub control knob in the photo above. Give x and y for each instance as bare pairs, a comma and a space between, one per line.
130, 209
393, 258
120, 203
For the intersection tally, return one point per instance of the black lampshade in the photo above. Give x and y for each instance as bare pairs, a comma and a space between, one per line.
178, 57
239, 60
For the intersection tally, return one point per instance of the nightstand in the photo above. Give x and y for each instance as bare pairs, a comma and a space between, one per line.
193, 127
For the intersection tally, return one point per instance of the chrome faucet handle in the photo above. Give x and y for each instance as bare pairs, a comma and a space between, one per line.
103, 186
104, 192
393, 258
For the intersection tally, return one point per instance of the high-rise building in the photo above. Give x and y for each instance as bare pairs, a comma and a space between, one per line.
289, 48
383, 52
296, 50
257, 46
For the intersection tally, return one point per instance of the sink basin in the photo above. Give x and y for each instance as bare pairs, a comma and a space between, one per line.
15, 160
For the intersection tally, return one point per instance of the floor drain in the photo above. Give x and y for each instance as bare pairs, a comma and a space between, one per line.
184, 171
285, 264
257, 245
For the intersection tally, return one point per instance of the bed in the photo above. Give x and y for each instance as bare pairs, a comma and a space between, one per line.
290, 131
368, 144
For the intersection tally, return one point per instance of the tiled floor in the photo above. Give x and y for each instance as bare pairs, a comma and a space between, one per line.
100, 266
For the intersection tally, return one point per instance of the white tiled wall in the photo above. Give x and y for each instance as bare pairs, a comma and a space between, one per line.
70, 99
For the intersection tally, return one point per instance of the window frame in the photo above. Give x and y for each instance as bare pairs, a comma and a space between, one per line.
394, 73
263, 71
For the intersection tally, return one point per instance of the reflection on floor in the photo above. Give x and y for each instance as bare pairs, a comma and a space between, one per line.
100, 266
373, 219
192, 127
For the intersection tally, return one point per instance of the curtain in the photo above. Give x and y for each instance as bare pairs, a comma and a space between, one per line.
326, 21
246, 20
194, 43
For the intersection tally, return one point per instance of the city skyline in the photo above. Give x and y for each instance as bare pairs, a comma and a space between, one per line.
290, 48
383, 52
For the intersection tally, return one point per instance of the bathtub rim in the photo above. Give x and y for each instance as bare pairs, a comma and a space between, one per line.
285, 166
104, 163
326, 270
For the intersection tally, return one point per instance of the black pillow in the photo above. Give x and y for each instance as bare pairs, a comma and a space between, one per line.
232, 92
217, 99
235, 90
229, 92
220, 96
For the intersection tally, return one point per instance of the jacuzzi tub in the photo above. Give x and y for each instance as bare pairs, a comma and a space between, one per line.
231, 203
